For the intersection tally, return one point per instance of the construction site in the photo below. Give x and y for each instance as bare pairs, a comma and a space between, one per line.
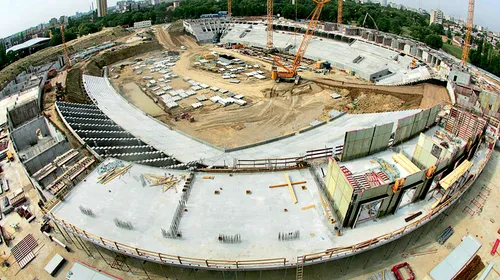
249, 148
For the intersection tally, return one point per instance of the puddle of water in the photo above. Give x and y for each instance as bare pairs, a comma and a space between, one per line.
133, 93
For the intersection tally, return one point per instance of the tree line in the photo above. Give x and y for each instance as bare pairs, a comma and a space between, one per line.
486, 57
387, 19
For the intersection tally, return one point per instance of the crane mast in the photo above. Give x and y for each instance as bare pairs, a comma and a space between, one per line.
270, 4
291, 72
66, 56
470, 23
339, 12
229, 4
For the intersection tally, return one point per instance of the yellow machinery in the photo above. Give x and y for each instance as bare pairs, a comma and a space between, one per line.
290, 73
10, 156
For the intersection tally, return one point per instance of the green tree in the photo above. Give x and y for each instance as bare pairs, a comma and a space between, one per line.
437, 29
448, 34
12, 57
83, 29
434, 41
3, 57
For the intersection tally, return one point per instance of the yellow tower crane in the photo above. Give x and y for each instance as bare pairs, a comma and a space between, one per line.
470, 23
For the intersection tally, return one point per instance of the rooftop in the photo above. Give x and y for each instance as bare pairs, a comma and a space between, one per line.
27, 44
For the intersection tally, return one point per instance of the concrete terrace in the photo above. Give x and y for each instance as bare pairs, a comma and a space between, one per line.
187, 149
341, 54
258, 217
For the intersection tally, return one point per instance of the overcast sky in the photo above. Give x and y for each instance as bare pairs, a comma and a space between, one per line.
18, 15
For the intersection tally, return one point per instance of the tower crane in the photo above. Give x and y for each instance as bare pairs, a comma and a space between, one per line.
470, 23
270, 4
66, 56
290, 73
339, 12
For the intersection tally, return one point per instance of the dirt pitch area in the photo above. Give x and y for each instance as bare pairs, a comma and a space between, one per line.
272, 109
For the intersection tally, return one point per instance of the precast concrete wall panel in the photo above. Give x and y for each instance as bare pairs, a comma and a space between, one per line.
357, 143
420, 122
381, 138
339, 189
433, 115
403, 132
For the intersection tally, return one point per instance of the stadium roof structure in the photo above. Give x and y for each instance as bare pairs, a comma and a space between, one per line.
27, 44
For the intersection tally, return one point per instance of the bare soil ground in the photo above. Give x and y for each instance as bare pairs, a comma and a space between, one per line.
273, 109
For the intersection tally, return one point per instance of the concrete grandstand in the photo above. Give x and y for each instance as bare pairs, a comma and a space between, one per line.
140, 185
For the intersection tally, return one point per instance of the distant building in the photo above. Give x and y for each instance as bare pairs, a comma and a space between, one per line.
176, 4
142, 24
155, 2
102, 8
53, 21
436, 17
125, 6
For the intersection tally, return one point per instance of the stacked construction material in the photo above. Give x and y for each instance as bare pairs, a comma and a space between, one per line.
167, 182
113, 173
447, 233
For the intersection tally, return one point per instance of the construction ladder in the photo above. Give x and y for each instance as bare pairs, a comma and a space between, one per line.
300, 268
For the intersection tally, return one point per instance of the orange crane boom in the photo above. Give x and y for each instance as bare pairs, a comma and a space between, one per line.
291, 72
470, 23
270, 4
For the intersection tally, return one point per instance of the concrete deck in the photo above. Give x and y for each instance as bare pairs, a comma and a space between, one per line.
257, 217
187, 149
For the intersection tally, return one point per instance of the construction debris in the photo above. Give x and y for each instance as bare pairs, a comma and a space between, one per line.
285, 185
414, 252
290, 187
112, 174
167, 182
308, 207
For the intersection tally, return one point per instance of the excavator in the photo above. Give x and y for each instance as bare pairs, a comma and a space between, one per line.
290, 72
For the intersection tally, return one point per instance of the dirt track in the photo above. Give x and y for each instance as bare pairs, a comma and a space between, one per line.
272, 109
